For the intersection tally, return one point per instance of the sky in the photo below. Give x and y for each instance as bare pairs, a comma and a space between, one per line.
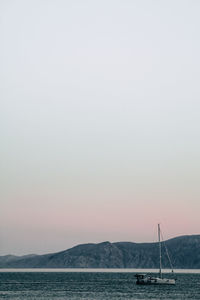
99, 122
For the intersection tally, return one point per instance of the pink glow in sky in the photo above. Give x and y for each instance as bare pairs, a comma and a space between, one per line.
99, 122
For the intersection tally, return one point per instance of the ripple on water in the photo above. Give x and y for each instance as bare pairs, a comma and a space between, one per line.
92, 286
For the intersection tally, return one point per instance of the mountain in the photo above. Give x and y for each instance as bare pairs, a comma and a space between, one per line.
184, 252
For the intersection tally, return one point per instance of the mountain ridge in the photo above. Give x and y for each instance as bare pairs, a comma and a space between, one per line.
184, 252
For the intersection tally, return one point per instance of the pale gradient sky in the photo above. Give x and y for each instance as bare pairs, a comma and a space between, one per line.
99, 122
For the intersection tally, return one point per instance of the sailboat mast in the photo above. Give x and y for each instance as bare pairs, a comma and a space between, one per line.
160, 254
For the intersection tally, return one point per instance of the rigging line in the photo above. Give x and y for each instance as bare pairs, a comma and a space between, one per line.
167, 253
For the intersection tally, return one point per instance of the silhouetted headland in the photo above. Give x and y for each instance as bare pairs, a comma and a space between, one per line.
184, 252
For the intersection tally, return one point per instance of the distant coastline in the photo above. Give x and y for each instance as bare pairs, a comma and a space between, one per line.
93, 270
184, 251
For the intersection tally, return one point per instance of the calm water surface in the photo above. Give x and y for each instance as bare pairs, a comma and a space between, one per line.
92, 286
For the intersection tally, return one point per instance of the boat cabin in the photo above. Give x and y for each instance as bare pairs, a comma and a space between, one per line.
140, 276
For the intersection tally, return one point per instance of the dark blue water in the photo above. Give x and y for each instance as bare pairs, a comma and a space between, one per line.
93, 286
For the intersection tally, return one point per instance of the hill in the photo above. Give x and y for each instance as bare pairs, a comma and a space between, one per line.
184, 252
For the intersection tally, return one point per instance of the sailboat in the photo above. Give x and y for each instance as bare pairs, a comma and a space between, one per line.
147, 279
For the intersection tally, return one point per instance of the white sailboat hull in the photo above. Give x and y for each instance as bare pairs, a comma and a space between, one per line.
155, 280
165, 281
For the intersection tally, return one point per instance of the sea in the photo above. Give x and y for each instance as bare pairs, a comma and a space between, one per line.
93, 284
